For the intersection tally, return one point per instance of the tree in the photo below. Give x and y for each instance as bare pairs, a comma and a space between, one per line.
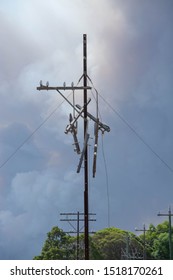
115, 244
58, 246
157, 241
108, 244
161, 247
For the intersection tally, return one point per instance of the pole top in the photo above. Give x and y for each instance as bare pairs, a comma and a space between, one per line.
85, 37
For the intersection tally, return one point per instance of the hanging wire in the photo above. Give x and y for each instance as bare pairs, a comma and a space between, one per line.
37, 128
98, 115
107, 181
73, 104
138, 135
31, 135
133, 130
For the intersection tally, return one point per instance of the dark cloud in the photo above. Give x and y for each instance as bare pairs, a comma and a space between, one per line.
130, 63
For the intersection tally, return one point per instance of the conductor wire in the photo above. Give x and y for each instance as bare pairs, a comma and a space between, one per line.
107, 181
30, 136
37, 128
134, 131
98, 114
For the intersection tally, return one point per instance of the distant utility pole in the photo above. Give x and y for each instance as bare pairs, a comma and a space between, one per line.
144, 231
169, 215
72, 127
77, 229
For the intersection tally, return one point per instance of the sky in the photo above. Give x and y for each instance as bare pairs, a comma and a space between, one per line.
130, 63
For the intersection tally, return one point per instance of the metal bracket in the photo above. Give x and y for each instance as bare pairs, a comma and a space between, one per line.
102, 127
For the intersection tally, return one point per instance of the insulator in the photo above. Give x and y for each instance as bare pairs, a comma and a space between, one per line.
70, 118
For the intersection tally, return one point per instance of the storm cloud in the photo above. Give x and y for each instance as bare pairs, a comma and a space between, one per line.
130, 63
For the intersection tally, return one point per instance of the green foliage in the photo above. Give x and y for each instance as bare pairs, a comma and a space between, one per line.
58, 246
157, 241
161, 247
108, 244
115, 244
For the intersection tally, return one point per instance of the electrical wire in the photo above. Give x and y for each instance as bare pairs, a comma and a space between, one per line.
138, 135
38, 127
107, 181
133, 130
103, 154
31, 135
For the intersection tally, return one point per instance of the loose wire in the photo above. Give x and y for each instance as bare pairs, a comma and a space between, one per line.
31, 135
35, 130
133, 130
138, 135
107, 181
103, 153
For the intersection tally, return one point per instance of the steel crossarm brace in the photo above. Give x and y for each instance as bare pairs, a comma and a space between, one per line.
101, 125
72, 123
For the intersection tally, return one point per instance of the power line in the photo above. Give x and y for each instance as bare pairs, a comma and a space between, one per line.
37, 128
30, 136
113, 109
133, 130
138, 135
103, 151
107, 181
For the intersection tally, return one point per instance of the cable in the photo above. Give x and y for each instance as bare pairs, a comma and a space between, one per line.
27, 139
133, 130
103, 153
107, 181
44, 121
137, 134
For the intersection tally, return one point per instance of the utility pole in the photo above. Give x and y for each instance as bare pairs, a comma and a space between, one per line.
169, 215
72, 127
85, 103
86, 149
77, 229
144, 232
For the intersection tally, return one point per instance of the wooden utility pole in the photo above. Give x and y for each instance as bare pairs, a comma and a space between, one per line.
86, 149
77, 217
85, 115
169, 215
72, 127
144, 248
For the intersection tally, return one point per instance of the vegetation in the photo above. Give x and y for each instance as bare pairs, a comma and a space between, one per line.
157, 241
108, 244
115, 244
58, 246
